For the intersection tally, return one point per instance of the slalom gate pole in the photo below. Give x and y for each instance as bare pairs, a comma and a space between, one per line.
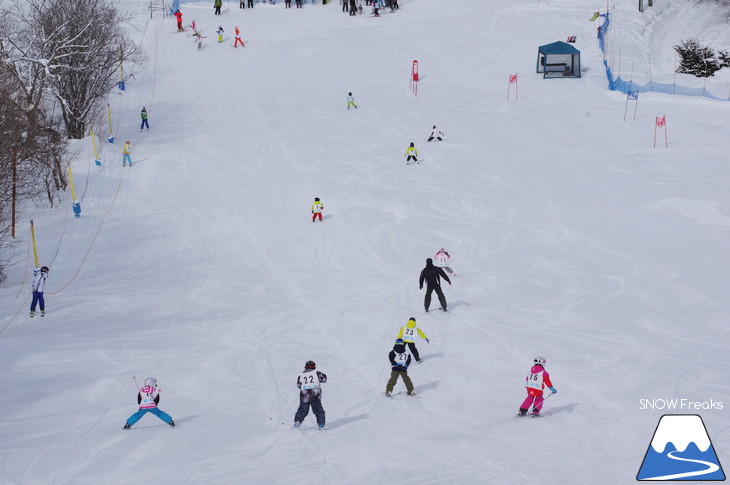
35, 248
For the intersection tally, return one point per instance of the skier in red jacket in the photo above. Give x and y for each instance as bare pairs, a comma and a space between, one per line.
178, 14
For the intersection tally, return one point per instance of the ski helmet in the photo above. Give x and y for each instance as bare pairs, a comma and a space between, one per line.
349, 94
316, 199
412, 144
412, 319
399, 341
540, 360
310, 365
150, 381
44, 269
434, 127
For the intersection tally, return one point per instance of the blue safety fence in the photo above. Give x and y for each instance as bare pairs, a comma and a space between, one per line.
625, 87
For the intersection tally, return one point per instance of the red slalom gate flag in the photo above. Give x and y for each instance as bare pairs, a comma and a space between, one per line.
661, 121
512, 80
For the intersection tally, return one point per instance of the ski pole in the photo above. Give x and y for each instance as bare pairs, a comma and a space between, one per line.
135, 382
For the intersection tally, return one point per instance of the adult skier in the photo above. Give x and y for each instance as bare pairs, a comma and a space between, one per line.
535, 382
143, 115
411, 152
317, 208
442, 261
217, 4
287, 3
350, 101
432, 275
435, 133
126, 150
310, 394
148, 398
400, 359
353, 8
408, 334
178, 15
39, 282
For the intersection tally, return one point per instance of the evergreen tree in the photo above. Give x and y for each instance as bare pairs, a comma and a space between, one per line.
696, 59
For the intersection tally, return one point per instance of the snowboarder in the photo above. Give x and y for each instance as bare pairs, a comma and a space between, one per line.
535, 382
148, 398
237, 38
435, 133
143, 115
39, 281
442, 261
317, 208
408, 334
126, 150
400, 359
411, 152
178, 15
350, 100
217, 4
310, 394
432, 275
220, 32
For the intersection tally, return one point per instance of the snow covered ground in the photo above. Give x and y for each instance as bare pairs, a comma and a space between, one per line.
572, 238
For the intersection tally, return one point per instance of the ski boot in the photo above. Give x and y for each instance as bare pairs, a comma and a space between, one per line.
522, 413
43, 313
297, 424
32, 314
172, 424
127, 426
321, 427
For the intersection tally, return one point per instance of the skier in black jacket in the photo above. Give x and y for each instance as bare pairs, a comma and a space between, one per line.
432, 275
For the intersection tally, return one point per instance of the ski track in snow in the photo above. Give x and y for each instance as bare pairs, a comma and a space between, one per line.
571, 238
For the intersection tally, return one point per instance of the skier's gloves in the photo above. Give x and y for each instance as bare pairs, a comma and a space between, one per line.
312, 212
553, 390
428, 341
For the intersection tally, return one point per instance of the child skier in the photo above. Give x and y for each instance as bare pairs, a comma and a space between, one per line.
126, 150
148, 398
435, 133
350, 101
411, 152
400, 359
178, 15
408, 334
143, 115
39, 281
317, 208
535, 382
199, 39
237, 38
310, 394
441, 259
220, 32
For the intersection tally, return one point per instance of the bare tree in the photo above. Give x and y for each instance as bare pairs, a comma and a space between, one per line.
70, 50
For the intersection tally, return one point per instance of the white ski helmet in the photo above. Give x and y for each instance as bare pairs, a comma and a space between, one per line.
540, 360
150, 381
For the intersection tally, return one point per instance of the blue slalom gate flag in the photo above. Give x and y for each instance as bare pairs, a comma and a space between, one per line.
633, 95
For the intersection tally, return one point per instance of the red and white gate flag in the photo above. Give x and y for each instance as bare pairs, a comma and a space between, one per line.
513, 78
661, 121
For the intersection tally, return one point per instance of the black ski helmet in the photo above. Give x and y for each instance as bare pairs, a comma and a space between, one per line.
44, 269
412, 144
429, 261
349, 94
434, 127
316, 199
310, 365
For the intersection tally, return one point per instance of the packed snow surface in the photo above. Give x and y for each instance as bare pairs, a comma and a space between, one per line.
572, 237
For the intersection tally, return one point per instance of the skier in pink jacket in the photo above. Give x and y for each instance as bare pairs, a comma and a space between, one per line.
535, 382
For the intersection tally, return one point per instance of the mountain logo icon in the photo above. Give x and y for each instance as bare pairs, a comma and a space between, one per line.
680, 450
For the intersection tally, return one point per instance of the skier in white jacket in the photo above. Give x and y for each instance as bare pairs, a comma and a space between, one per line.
435, 133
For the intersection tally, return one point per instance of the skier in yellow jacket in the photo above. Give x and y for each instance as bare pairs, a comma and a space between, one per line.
411, 153
317, 208
408, 334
